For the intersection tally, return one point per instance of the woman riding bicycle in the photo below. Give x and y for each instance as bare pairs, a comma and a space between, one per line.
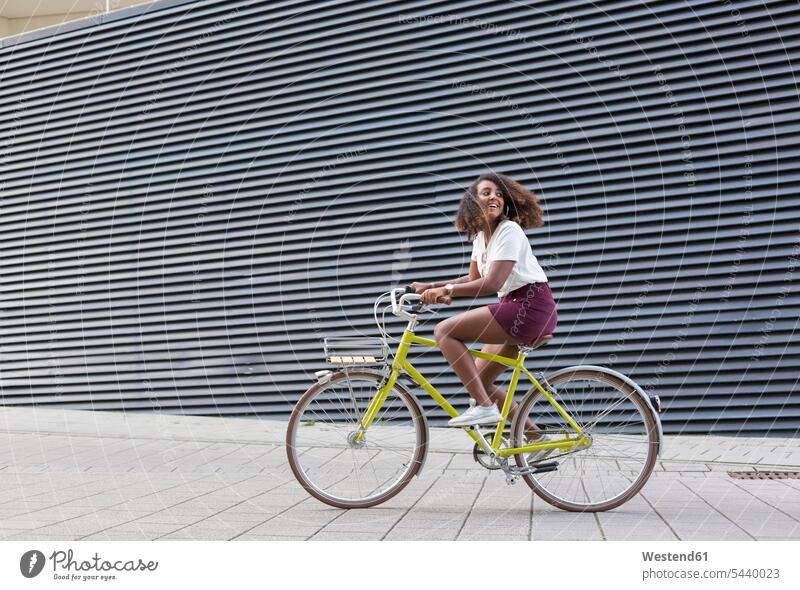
493, 212
357, 436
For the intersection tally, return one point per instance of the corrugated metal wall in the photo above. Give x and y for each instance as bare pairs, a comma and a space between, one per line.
194, 194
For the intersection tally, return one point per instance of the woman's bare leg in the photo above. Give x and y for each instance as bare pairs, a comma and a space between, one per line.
476, 325
489, 371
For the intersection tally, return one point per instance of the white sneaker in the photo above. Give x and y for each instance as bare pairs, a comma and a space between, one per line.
476, 415
537, 456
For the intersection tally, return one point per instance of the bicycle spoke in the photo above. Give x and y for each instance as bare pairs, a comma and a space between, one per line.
605, 413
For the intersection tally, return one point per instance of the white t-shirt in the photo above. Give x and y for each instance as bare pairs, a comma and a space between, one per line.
508, 242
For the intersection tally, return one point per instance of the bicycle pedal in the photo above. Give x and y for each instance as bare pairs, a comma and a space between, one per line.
548, 465
545, 467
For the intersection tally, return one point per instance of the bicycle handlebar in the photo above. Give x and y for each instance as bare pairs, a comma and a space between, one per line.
408, 292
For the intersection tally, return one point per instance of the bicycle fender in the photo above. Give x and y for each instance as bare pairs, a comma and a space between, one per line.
630, 382
424, 425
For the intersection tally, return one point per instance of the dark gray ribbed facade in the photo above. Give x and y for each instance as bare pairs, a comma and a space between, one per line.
194, 194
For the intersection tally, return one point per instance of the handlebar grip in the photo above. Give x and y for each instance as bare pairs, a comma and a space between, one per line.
410, 289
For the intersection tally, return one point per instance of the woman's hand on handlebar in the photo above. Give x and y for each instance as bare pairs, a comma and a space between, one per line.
437, 295
420, 288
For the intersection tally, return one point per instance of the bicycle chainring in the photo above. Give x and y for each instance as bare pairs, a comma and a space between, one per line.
481, 458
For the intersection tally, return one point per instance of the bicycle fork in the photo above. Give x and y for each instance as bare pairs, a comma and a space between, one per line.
375, 406
389, 381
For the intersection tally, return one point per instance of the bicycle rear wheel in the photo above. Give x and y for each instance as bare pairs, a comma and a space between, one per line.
340, 471
624, 440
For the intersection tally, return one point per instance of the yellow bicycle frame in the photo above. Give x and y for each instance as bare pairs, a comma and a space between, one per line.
401, 362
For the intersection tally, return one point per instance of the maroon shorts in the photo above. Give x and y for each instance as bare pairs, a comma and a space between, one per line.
527, 313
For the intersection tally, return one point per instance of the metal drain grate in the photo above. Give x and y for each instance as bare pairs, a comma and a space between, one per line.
764, 474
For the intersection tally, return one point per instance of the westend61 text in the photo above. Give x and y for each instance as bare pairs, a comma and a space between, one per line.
691, 556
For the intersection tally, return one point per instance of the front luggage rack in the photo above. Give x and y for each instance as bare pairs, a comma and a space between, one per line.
355, 351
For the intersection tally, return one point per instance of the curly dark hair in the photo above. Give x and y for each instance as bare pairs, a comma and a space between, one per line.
519, 204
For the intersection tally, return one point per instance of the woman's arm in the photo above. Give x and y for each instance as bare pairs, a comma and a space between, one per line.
422, 287
435, 284
491, 283
499, 271
473, 275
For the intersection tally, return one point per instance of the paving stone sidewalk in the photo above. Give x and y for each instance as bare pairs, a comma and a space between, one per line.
79, 475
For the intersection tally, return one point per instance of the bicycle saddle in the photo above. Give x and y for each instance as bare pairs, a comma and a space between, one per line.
542, 340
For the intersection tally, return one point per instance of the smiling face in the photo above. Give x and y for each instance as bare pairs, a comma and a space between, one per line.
491, 200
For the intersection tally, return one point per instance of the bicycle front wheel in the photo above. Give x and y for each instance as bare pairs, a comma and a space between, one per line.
344, 472
623, 433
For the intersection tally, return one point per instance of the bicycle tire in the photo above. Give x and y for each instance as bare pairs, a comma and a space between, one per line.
395, 444
625, 441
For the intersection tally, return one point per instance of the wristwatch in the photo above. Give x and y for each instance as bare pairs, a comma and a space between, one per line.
450, 288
